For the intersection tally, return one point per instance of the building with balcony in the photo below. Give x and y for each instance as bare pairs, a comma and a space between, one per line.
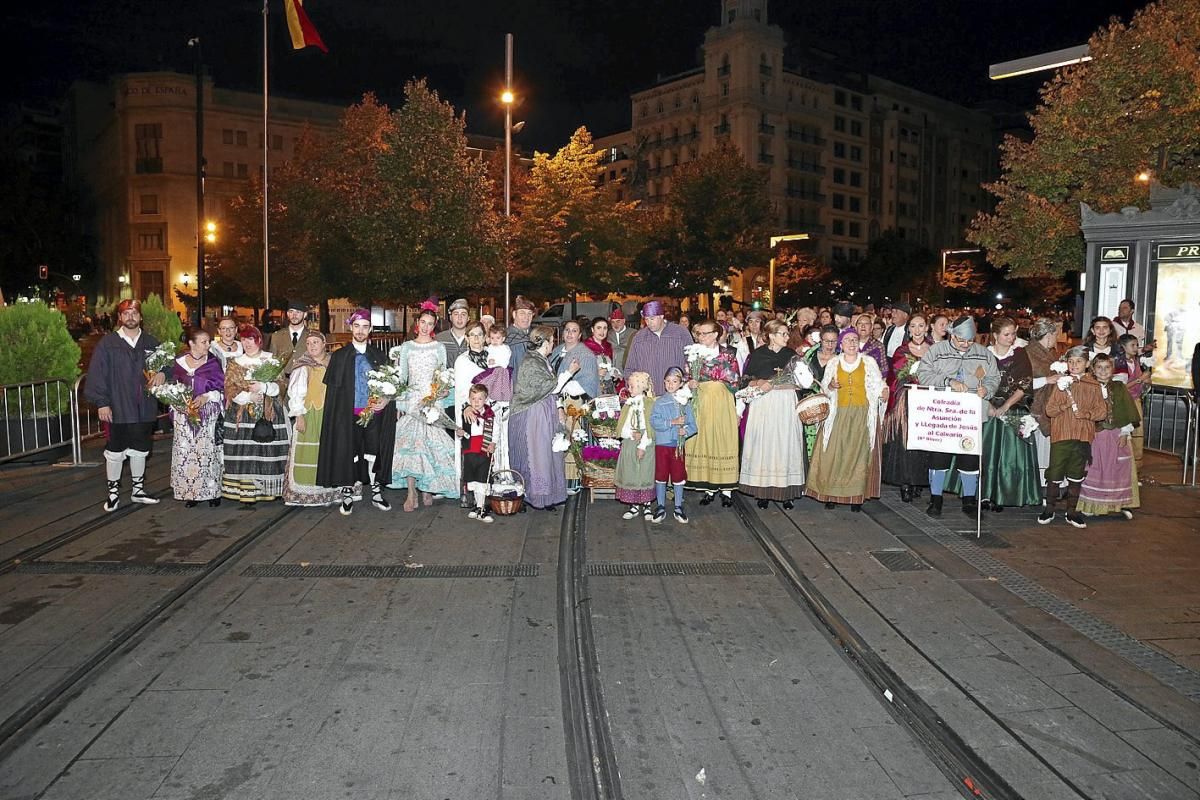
846, 155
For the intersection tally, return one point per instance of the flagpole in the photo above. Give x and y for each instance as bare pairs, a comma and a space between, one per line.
265, 172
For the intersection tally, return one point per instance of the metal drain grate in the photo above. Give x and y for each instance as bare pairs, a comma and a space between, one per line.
623, 568
107, 568
391, 571
987, 539
899, 560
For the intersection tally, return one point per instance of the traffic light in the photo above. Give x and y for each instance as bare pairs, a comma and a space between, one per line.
43, 273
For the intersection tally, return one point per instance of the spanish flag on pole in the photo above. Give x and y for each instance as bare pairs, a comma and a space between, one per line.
302, 30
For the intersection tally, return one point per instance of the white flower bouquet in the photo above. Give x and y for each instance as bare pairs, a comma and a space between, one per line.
179, 397
382, 384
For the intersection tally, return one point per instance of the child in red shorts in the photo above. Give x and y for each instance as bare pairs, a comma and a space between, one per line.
673, 422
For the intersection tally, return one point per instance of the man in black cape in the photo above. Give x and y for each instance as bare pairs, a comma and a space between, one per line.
350, 452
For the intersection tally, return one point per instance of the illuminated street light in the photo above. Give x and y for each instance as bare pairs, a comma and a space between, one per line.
507, 97
210, 232
185, 279
1144, 176
1043, 61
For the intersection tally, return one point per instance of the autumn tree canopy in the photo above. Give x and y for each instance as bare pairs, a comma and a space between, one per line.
716, 220
572, 234
1135, 106
390, 207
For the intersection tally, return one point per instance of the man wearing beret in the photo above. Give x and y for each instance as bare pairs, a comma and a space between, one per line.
657, 346
454, 339
287, 343
619, 335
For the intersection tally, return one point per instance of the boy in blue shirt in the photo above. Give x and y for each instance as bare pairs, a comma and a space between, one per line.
673, 422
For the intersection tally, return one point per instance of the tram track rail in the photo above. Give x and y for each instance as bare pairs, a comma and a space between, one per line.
17, 727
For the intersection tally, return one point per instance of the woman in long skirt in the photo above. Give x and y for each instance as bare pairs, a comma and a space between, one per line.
1009, 468
712, 454
902, 467
254, 470
633, 481
772, 455
534, 420
578, 363
195, 454
818, 357
845, 465
424, 458
306, 407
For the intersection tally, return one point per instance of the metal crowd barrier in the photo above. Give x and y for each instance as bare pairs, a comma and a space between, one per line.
1171, 425
37, 417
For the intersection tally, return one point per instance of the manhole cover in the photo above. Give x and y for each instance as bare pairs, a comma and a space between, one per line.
899, 560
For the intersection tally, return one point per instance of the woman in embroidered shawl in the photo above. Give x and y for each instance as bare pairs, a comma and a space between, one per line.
534, 419
712, 454
196, 463
306, 407
902, 467
254, 470
845, 465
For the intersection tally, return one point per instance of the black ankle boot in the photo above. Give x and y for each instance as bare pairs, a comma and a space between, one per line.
764, 503
934, 509
906, 494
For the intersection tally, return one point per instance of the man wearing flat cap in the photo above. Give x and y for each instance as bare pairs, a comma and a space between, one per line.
287, 343
843, 314
657, 347
517, 337
893, 337
959, 364
454, 338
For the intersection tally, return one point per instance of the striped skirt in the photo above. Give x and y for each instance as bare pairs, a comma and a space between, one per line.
255, 470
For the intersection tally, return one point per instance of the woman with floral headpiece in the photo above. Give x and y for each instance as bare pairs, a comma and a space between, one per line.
424, 457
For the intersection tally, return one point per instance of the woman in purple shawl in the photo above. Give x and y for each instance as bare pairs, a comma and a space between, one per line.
195, 455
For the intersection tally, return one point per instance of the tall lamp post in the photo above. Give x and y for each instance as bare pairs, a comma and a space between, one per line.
194, 43
775, 240
507, 98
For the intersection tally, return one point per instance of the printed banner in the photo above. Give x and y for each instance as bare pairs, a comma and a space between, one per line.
944, 422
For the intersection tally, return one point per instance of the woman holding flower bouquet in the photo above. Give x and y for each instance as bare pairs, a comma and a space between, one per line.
196, 464
425, 452
712, 454
583, 384
772, 465
908, 469
1009, 460
306, 407
256, 430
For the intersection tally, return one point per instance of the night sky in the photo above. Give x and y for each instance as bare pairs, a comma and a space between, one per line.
576, 62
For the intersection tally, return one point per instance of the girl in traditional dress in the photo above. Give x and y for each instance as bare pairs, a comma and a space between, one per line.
306, 407
1101, 339
1128, 370
1110, 486
633, 480
903, 467
1010, 466
772, 465
425, 452
712, 454
195, 453
845, 465
534, 419
254, 470
939, 328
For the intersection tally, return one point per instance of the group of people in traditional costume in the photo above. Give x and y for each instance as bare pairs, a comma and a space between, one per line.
712, 409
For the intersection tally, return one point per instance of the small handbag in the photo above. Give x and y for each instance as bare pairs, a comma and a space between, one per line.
263, 431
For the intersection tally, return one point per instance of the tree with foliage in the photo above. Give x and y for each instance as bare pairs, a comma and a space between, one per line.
1135, 106
716, 220
36, 347
572, 234
161, 322
391, 207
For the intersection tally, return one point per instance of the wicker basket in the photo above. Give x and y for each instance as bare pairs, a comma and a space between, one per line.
813, 409
501, 505
599, 474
